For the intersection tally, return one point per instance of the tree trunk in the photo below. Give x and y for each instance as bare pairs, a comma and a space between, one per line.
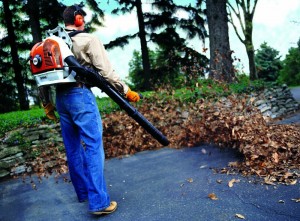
24, 104
221, 67
144, 48
33, 13
252, 66
249, 47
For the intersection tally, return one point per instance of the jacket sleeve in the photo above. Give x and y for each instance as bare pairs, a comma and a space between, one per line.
100, 61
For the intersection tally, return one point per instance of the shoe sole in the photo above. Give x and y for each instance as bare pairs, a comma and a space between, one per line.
104, 212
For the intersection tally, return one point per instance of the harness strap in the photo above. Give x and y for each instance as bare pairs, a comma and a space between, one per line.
73, 33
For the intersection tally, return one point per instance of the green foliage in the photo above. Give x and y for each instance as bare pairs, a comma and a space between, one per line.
245, 85
161, 72
290, 73
174, 63
268, 63
136, 69
210, 89
170, 68
15, 139
13, 64
106, 105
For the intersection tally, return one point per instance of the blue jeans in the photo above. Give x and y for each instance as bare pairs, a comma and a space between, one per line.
81, 128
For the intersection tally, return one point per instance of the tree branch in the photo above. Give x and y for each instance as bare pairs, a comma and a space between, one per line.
238, 15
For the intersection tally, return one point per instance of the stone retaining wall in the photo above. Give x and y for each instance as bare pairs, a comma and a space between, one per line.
274, 102
12, 154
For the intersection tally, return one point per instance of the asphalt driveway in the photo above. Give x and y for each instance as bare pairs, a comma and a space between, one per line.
296, 93
168, 184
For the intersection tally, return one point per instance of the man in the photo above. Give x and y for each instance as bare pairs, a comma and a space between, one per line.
80, 118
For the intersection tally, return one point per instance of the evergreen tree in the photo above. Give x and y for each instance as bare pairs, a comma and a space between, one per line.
163, 27
268, 63
127, 6
13, 44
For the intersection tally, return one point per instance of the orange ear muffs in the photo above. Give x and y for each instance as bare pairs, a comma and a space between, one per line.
79, 20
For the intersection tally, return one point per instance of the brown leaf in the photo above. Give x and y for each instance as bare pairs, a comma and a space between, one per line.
212, 196
233, 164
275, 157
293, 182
190, 180
231, 182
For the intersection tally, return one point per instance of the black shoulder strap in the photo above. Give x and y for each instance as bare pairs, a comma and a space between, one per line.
73, 33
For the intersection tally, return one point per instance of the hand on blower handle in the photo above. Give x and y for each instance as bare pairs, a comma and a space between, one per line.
132, 96
49, 110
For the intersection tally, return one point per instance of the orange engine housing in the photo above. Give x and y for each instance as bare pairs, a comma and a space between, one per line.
45, 56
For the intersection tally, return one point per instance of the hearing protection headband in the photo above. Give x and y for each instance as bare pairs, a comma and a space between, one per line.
78, 11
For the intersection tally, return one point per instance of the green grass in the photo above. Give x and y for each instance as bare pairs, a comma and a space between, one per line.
12, 120
106, 105
291, 87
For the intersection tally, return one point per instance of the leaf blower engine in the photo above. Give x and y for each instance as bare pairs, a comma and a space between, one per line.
52, 62
47, 59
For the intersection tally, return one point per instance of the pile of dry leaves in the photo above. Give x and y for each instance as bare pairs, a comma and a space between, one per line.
271, 151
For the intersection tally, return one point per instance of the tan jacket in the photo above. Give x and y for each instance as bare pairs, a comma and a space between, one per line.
90, 52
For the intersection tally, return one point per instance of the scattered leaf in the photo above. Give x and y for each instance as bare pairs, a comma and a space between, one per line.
239, 216
190, 180
275, 157
231, 182
33, 186
233, 164
219, 181
212, 196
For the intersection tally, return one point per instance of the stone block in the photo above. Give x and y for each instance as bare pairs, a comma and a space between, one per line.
10, 151
4, 173
11, 161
